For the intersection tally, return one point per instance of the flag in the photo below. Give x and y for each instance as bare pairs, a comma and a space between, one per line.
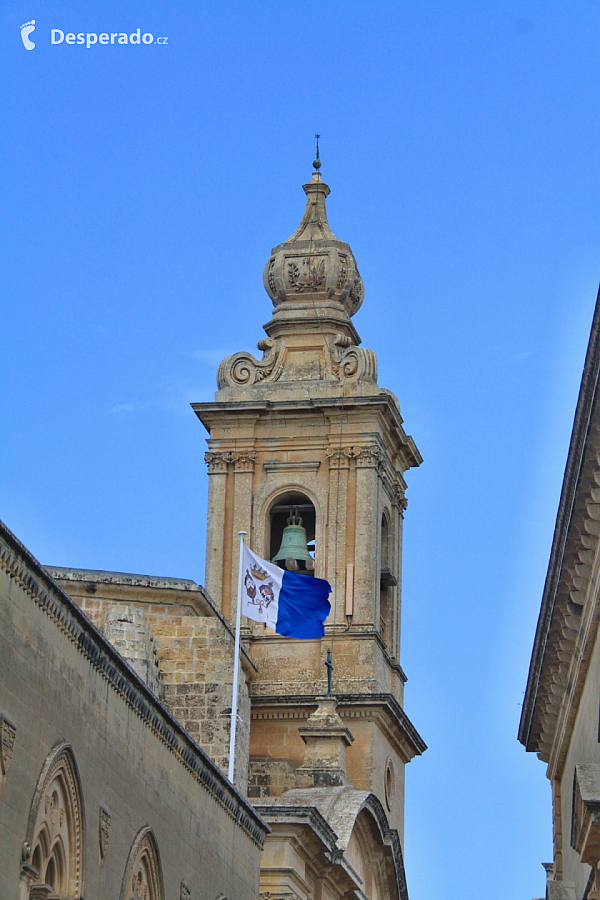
294, 605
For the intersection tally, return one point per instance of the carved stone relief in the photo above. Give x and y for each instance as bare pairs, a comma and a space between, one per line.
352, 363
143, 876
184, 892
7, 742
104, 831
217, 462
55, 864
244, 460
307, 273
244, 370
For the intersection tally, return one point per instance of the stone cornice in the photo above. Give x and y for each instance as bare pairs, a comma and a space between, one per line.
400, 729
33, 579
382, 400
305, 815
551, 693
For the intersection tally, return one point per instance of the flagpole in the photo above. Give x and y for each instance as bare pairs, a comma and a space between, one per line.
236, 662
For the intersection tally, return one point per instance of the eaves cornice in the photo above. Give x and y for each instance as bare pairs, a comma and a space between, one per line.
22, 567
550, 686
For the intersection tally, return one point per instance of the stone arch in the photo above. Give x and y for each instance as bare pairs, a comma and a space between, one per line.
143, 873
264, 501
54, 847
386, 618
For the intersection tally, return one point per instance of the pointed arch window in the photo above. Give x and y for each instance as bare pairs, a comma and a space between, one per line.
55, 832
143, 874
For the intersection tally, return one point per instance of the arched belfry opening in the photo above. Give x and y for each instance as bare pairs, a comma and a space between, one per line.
387, 581
295, 509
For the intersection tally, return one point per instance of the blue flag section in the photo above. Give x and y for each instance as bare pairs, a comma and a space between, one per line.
303, 606
294, 605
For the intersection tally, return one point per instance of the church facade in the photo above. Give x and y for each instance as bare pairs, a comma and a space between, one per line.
302, 435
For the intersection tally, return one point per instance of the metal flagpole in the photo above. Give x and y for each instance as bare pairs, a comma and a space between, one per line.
236, 663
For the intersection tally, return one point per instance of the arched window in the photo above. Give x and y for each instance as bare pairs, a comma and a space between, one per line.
143, 875
56, 831
387, 581
292, 506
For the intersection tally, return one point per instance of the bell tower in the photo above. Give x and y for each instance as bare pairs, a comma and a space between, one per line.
306, 432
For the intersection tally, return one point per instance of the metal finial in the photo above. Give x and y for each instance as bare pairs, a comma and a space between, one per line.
317, 161
329, 665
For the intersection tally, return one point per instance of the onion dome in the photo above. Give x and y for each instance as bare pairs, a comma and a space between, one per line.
313, 267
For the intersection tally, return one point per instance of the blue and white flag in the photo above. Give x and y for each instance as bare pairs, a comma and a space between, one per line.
295, 605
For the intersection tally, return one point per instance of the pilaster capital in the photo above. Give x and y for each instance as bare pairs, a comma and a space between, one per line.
339, 457
217, 462
369, 457
243, 460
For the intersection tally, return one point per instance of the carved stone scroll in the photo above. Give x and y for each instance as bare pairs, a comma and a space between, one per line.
244, 370
352, 363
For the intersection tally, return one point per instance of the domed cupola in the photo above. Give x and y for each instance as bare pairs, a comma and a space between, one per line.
314, 283
313, 267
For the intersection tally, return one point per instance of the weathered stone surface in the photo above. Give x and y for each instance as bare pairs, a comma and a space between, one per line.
92, 740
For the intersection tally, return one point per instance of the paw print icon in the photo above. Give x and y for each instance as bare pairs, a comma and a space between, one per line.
26, 30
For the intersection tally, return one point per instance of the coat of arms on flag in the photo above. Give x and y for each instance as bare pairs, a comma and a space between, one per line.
293, 604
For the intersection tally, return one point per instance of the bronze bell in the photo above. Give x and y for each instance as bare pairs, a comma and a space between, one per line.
293, 540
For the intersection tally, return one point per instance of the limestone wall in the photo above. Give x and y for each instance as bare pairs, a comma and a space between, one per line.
133, 787
191, 654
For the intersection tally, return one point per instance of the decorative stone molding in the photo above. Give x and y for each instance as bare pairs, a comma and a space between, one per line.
278, 895
291, 465
313, 263
370, 457
35, 582
104, 831
340, 456
352, 363
143, 874
8, 733
217, 462
243, 460
56, 830
244, 370
390, 784
184, 892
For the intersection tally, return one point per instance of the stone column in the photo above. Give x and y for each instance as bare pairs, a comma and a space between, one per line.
215, 524
243, 463
398, 506
368, 564
339, 465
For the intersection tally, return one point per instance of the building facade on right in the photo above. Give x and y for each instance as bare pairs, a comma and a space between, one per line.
560, 718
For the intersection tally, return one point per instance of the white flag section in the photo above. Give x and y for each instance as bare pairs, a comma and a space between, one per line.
293, 604
261, 586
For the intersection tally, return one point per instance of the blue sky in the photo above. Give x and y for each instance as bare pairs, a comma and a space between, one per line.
143, 187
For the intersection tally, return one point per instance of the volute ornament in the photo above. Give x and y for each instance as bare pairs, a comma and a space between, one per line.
243, 369
350, 362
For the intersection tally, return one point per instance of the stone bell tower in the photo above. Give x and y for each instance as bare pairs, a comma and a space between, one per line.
307, 428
